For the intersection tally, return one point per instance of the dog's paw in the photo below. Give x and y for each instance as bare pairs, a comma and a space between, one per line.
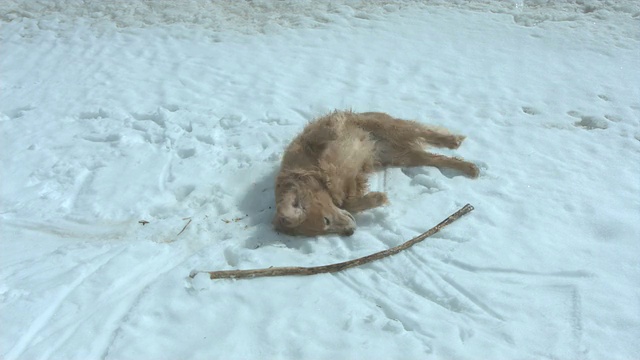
455, 141
377, 198
472, 170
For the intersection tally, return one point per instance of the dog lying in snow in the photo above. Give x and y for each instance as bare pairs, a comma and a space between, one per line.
323, 176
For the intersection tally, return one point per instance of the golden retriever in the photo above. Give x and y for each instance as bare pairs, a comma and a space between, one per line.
323, 176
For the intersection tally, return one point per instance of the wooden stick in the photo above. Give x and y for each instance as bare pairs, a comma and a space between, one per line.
185, 226
282, 271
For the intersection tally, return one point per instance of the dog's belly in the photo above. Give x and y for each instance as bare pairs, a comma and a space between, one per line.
351, 151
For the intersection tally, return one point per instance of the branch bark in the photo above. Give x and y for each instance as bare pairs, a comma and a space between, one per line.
331, 268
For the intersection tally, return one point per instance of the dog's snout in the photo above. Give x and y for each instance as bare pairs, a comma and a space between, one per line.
348, 223
351, 217
345, 224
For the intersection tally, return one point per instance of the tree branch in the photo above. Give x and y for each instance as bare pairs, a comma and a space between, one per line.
282, 271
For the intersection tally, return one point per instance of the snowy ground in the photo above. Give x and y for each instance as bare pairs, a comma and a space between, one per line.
170, 112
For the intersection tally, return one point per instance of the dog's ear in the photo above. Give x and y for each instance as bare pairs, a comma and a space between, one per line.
290, 211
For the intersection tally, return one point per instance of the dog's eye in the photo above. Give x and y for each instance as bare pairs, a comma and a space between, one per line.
326, 221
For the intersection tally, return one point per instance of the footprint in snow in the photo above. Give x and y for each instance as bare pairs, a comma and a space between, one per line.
589, 122
186, 153
157, 117
90, 115
423, 177
529, 110
111, 138
19, 111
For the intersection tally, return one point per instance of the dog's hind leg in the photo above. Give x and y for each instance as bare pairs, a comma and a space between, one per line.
411, 157
398, 131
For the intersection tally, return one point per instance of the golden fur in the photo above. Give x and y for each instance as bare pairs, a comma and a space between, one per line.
323, 176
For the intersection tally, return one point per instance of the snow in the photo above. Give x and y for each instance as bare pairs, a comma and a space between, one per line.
177, 113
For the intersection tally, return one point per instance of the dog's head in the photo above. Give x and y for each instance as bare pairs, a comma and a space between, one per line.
305, 207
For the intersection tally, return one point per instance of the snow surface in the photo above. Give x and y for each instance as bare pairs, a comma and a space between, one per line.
177, 113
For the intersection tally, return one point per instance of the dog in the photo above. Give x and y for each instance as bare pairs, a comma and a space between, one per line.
323, 176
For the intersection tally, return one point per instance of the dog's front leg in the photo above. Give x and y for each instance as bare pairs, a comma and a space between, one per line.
368, 201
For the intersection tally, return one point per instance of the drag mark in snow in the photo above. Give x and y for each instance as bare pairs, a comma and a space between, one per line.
79, 186
438, 292
570, 294
573, 316
146, 278
576, 317
474, 299
45, 317
73, 312
166, 174
445, 300
566, 273
403, 311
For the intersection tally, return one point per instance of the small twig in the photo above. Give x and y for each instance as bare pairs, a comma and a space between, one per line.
282, 271
185, 226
